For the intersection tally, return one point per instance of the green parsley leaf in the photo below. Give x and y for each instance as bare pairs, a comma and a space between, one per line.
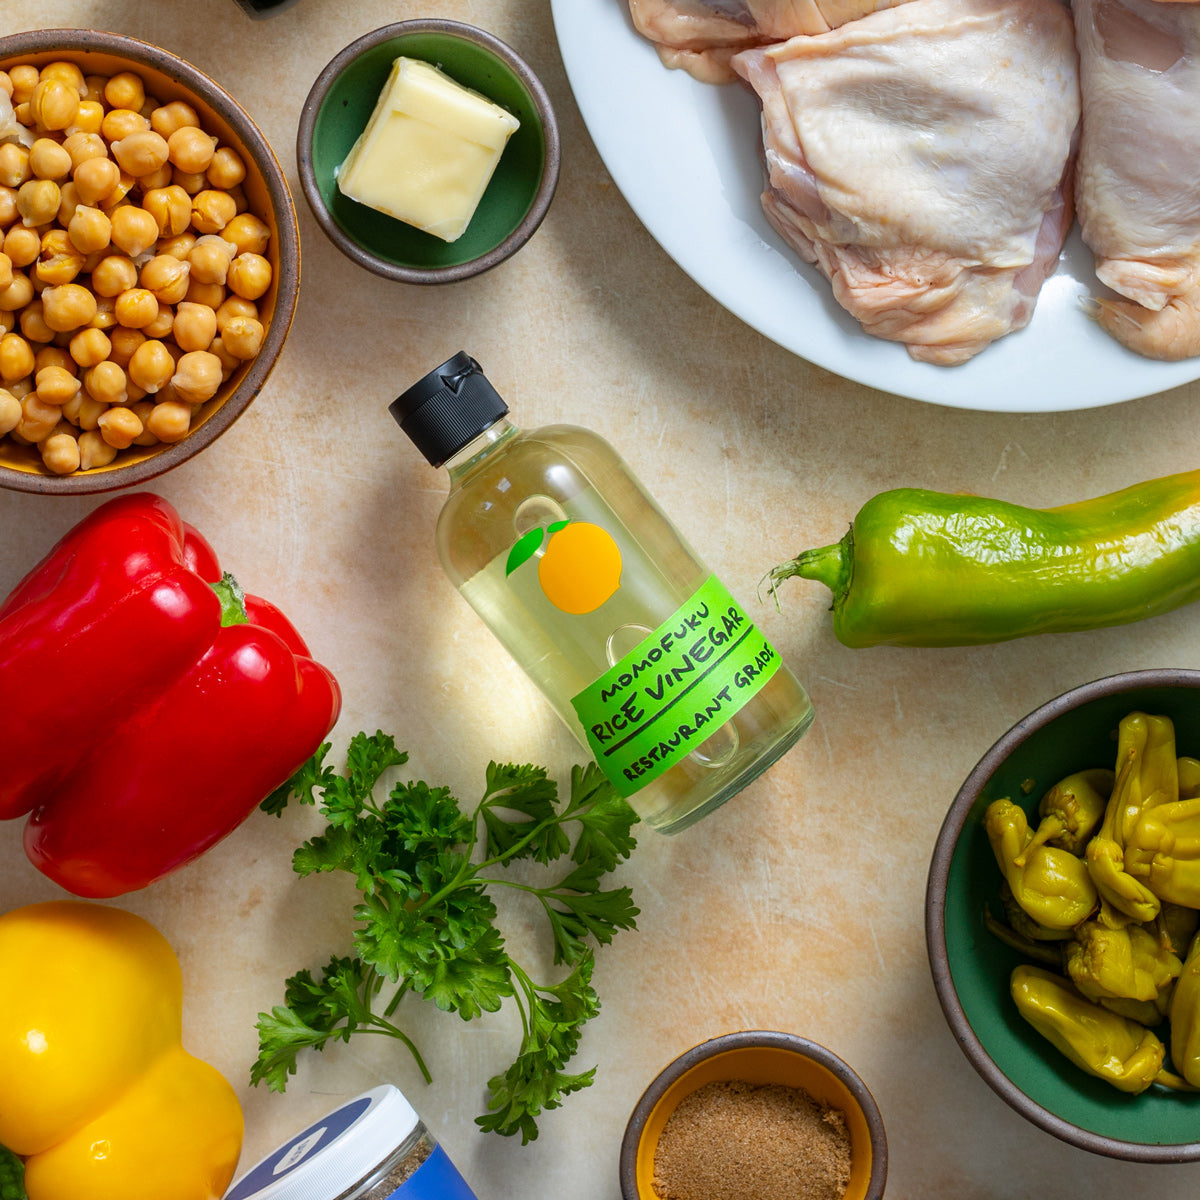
426, 920
301, 785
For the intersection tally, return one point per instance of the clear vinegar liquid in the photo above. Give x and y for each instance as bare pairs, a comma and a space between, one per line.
536, 479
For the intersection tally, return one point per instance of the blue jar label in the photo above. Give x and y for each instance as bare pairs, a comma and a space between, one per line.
437, 1178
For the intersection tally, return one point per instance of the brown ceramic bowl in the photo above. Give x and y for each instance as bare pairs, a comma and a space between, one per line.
759, 1057
167, 78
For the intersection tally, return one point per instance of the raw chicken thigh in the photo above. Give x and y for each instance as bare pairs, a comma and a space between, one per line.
701, 35
921, 158
1139, 168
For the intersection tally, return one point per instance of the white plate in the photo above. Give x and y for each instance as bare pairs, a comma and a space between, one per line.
686, 157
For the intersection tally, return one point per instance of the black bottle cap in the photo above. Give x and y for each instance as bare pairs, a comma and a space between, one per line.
448, 408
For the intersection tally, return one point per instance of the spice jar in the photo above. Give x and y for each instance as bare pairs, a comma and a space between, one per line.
374, 1147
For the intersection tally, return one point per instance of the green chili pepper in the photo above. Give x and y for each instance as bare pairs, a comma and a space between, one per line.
922, 568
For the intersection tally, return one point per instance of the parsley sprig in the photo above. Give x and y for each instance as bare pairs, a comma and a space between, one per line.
427, 921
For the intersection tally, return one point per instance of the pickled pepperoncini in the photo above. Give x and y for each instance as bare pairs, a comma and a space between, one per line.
1049, 884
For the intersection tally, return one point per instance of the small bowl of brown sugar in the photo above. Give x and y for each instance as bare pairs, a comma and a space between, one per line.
755, 1115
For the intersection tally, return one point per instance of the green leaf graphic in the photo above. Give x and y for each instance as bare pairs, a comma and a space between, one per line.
524, 549
558, 525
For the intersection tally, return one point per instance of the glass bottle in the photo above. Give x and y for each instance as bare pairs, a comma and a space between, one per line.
572, 565
374, 1147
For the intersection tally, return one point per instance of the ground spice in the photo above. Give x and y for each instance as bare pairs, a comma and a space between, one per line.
733, 1140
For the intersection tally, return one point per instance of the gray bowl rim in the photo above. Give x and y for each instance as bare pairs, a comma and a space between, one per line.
742, 1039
935, 917
546, 185
42, 41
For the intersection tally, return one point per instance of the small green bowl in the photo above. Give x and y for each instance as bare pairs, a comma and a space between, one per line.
339, 106
971, 967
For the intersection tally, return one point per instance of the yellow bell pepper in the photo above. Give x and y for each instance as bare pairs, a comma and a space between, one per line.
99, 1096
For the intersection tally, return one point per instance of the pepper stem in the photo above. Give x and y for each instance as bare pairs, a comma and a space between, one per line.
233, 601
829, 565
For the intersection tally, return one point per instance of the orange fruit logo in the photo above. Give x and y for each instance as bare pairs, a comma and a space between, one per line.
580, 567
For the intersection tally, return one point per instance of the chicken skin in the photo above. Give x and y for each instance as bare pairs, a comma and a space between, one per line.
921, 158
700, 36
1139, 168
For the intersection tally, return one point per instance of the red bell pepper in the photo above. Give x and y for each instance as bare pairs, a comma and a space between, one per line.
146, 714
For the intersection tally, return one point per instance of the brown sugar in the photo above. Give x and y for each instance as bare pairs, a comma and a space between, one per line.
733, 1140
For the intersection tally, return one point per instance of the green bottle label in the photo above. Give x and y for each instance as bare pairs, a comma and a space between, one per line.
676, 688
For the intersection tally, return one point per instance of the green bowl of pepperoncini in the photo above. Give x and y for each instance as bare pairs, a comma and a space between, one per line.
972, 966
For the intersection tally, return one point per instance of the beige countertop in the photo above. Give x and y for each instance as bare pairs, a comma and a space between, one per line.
798, 906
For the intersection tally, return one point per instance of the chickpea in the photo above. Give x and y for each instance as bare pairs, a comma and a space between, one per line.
162, 325
227, 169
17, 294
54, 104
106, 313
58, 259
94, 451
56, 385
83, 146
60, 454
90, 346
136, 308
180, 246
105, 382
124, 342
169, 421
68, 306
14, 165
151, 366
68, 202
10, 411
235, 306
6, 84
32, 321
163, 177
134, 393
195, 326
16, 358
24, 79
114, 275
212, 211
119, 426
6, 269
134, 230
8, 321
167, 277
119, 123
38, 419
197, 377
68, 72
21, 388
141, 153
48, 160
84, 411
249, 233
125, 90
22, 245
192, 184
24, 114
191, 149
8, 206
37, 202
249, 276
124, 186
89, 118
96, 178
53, 356
169, 117
211, 294
171, 207
210, 259
89, 229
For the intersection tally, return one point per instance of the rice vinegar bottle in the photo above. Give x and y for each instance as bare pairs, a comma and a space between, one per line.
642, 651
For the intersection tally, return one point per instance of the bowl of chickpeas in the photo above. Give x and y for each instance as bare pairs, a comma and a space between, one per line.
149, 261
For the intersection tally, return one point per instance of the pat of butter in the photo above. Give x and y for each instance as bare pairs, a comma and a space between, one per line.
428, 152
